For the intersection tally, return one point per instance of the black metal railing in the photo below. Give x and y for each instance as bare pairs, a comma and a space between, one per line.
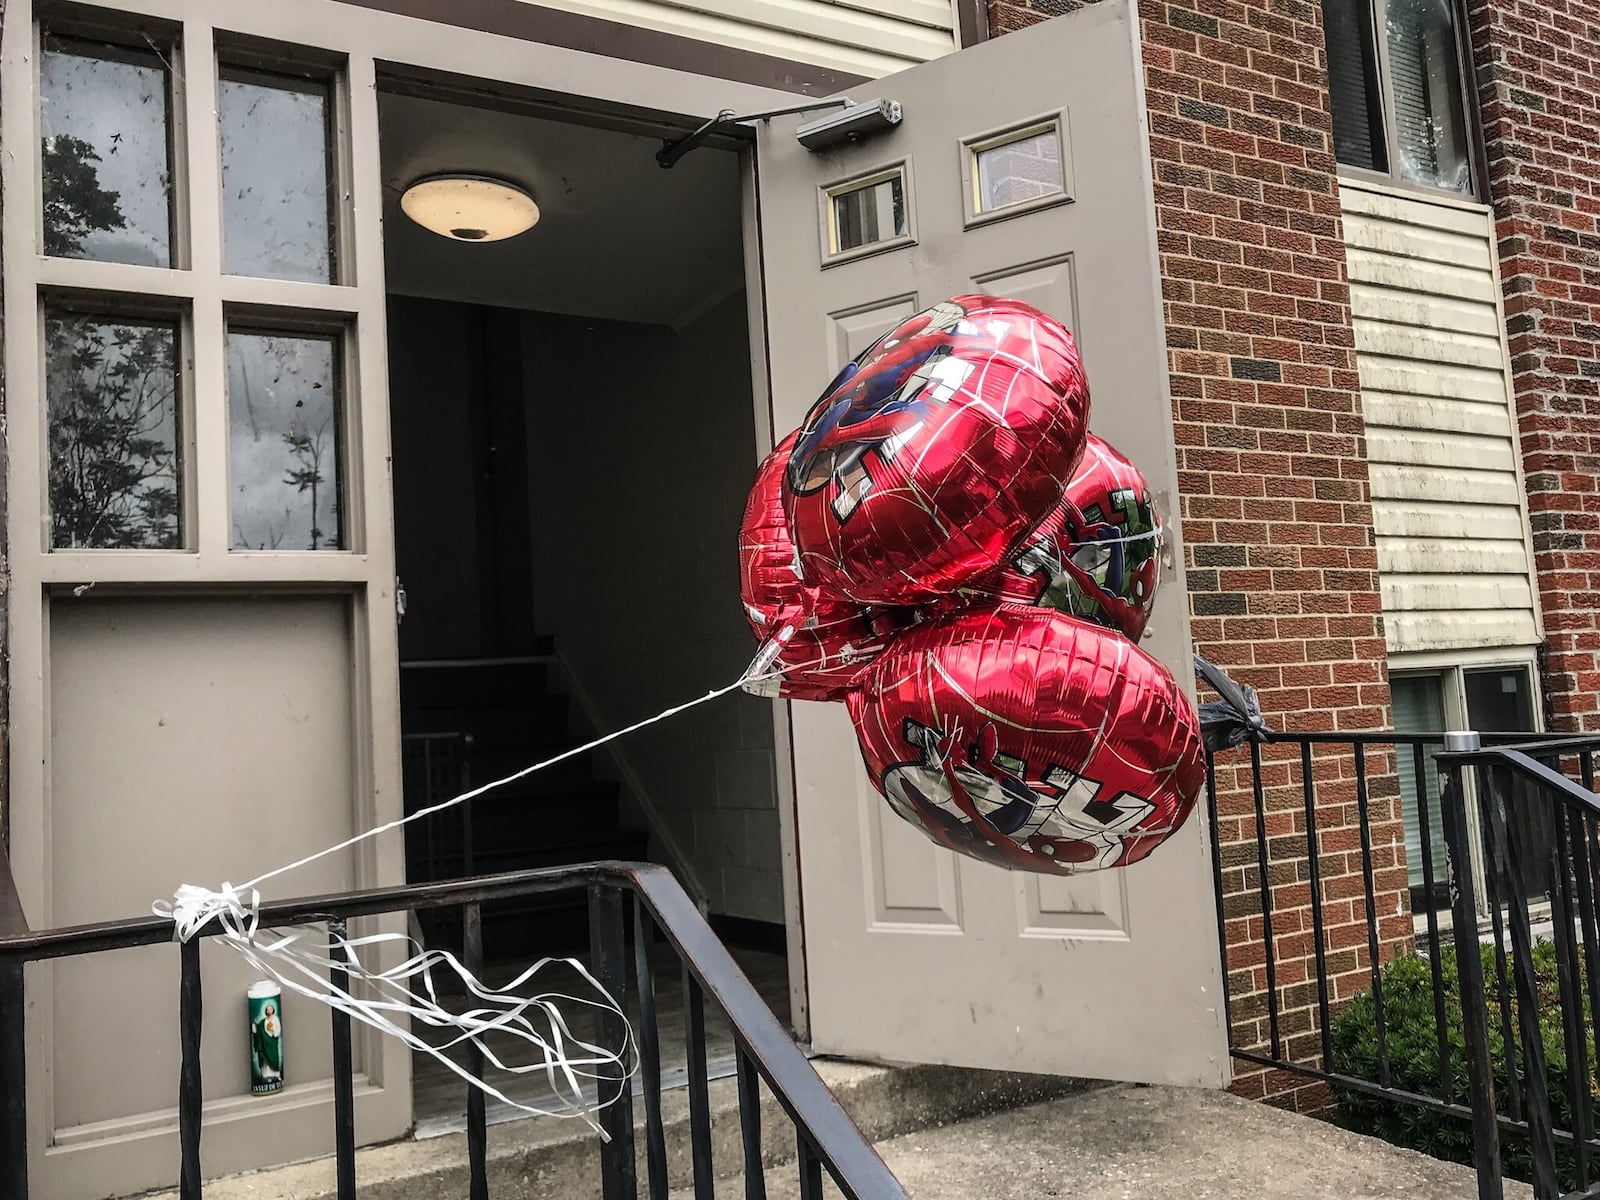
435, 767
634, 908
1314, 888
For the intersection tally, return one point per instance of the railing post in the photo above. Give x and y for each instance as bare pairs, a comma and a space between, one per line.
13, 1083
477, 1110
608, 948
344, 1096
1469, 970
189, 1088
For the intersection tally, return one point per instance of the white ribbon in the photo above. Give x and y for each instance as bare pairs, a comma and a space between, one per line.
391, 1000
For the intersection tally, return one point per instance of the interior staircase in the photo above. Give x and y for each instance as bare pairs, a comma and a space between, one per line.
468, 722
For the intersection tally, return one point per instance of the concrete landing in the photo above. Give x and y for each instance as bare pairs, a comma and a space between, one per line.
1134, 1143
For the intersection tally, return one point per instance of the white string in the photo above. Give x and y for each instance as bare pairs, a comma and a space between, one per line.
391, 1000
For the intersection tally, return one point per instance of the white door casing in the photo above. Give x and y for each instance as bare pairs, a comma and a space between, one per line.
914, 954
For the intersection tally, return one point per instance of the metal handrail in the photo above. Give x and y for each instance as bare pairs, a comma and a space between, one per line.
1494, 857
827, 1139
1529, 768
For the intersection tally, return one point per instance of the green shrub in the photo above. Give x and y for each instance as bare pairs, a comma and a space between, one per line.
1413, 1045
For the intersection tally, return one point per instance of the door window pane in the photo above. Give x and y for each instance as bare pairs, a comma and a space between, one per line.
276, 177
867, 213
1419, 708
283, 429
1430, 126
112, 395
106, 153
1026, 167
1358, 139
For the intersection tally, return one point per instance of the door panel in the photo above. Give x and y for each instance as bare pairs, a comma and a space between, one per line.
914, 954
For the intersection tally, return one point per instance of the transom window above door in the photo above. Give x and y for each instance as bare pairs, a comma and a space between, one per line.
196, 302
1395, 82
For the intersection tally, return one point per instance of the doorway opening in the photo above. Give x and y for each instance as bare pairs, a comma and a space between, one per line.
573, 435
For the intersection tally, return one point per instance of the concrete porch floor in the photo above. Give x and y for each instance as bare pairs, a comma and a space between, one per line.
1114, 1143
947, 1135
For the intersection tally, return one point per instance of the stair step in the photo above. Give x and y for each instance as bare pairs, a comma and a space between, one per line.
509, 823
537, 726
556, 850
469, 684
570, 775
885, 1102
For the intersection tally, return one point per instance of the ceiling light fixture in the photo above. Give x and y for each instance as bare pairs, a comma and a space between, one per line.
470, 208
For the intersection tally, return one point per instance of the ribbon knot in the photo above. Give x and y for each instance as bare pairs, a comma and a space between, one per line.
192, 908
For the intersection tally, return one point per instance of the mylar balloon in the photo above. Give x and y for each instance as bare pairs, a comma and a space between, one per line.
1098, 556
1030, 739
934, 454
833, 640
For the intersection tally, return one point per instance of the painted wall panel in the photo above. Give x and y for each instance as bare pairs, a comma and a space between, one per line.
1448, 504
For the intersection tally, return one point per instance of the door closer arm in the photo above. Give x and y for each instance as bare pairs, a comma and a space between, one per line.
851, 122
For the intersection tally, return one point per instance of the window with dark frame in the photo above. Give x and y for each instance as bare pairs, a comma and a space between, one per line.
1396, 90
1490, 700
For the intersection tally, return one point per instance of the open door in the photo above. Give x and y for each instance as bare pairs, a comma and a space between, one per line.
1021, 168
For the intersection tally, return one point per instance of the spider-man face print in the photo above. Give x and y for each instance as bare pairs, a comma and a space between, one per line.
880, 396
928, 459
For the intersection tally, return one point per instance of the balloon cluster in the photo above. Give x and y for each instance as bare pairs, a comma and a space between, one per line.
945, 547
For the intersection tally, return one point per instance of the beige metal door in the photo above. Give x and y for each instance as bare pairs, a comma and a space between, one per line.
1021, 168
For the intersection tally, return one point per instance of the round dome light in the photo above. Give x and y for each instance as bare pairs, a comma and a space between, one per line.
470, 208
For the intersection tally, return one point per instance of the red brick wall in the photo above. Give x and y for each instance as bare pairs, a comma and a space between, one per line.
1277, 519
1538, 67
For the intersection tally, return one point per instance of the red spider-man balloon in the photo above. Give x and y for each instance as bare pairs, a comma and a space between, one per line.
934, 454
1029, 739
832, 641
1097, 556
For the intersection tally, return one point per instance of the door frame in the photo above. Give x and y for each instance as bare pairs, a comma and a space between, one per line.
374, 45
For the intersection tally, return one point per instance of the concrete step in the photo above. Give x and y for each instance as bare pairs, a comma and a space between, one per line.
550, 1158
1154, 1143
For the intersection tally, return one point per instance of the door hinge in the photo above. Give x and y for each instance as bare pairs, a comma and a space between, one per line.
399, 600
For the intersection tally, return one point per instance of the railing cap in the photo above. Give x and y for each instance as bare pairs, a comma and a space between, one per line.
1462, 741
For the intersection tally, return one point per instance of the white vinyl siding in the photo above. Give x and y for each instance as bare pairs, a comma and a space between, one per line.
862, 37
1447, 496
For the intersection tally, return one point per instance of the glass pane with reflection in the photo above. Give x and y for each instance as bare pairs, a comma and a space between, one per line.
106, 152
1430, 120
111, 388
277, 177
867, 215
285, 441
1026, 168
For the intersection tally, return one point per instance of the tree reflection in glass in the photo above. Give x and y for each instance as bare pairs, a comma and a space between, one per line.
111, 387
106, 156
283, 429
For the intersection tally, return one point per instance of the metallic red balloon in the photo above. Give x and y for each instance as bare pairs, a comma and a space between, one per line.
1097, 556
932, 456
834, 640
1029, 739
